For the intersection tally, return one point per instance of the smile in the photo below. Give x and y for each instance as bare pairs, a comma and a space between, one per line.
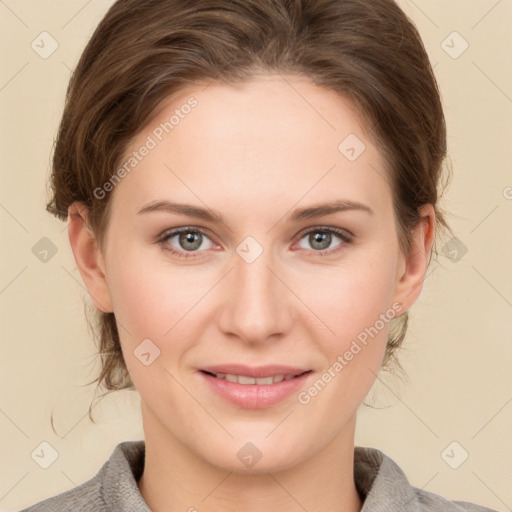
255, 391
245, 379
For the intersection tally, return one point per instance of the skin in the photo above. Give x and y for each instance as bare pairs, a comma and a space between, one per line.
254, 153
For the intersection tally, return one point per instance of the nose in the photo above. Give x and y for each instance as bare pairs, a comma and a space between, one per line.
257, 305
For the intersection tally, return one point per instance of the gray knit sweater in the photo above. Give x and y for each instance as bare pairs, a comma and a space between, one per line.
381, 483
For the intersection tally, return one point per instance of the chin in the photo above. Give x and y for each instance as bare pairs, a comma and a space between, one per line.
269, 464
255, 457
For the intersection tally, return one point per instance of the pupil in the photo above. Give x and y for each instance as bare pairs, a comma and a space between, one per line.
321, 237
190, 238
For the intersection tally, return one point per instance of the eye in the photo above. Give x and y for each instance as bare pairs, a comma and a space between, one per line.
320, 239
188, 240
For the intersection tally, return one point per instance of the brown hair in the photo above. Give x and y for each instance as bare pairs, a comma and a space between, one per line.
145, 50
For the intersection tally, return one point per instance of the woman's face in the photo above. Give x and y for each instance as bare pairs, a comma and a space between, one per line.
276, 282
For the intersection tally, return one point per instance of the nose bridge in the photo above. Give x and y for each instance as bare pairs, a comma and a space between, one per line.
256, 305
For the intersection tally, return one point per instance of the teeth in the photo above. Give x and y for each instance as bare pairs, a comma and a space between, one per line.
243, 379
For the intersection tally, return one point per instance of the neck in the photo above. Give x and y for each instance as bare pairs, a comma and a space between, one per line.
177, 479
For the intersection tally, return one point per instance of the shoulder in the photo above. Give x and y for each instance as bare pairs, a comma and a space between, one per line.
114, 487
384, 487
431, 501
84, 497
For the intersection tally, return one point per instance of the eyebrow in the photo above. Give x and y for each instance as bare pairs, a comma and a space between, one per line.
206, 214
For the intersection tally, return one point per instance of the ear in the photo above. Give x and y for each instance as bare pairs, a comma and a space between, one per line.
88, 256
413, 267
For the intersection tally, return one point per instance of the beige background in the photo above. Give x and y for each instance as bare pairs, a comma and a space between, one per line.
458, 350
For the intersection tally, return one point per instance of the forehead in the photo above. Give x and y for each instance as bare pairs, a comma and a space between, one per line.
273, 138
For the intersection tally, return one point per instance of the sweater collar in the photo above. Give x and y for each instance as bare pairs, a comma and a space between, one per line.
379, 480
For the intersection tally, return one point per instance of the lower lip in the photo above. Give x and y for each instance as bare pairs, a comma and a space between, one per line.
255, 396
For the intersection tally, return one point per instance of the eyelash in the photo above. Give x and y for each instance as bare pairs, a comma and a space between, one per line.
167, 235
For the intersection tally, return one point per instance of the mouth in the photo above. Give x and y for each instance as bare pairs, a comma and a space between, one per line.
255, 387
248, 380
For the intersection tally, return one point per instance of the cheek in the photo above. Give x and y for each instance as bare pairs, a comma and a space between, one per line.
157, 300
360, 315
351, 298
357, 308
152, 302
149, 297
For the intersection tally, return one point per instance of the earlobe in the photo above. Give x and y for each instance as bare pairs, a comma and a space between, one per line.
410, 281
88, 256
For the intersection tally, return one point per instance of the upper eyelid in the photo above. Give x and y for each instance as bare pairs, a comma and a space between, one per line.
336, 230
169, 233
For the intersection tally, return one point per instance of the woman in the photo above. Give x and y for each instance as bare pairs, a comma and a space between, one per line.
252, 194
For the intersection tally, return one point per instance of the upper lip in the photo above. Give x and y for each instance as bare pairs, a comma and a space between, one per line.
254, 371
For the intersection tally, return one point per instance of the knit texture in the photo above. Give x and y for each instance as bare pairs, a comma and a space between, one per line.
379, 480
